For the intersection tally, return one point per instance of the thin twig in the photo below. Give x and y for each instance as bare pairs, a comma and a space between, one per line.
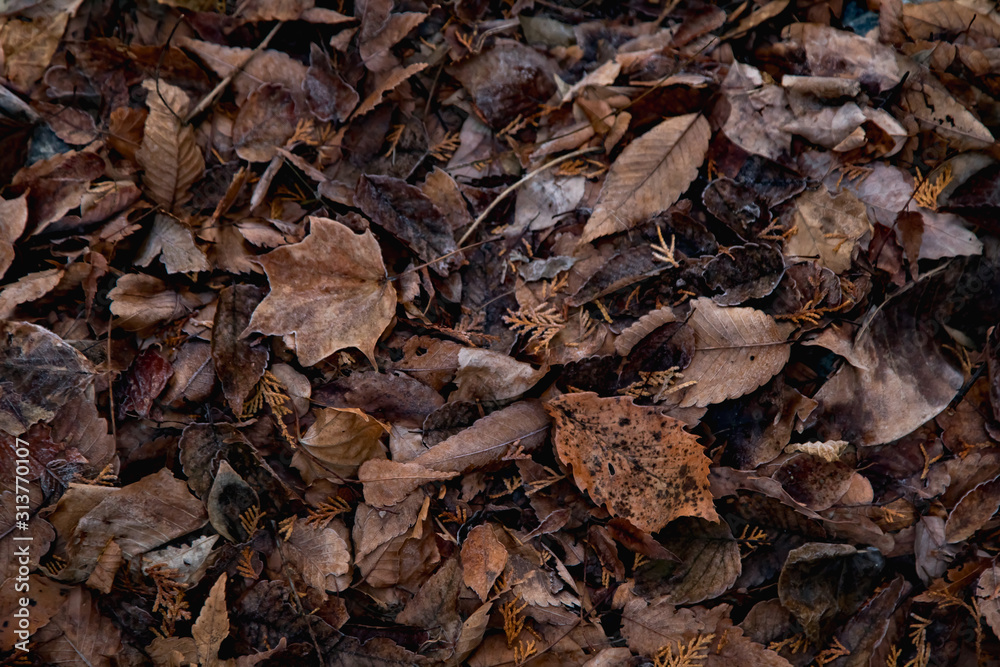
208, 99
515, 186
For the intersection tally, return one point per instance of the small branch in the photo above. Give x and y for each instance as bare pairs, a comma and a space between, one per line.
515, 186
208, 99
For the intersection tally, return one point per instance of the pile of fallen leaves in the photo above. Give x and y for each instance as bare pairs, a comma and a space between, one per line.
502, 334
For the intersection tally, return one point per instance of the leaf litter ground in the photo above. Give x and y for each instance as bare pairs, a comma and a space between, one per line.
501, 334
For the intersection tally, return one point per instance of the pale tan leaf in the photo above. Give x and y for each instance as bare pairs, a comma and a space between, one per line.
103, 576
139, 517
930, 19
13, 218
389, 83
321, 554
139, 300
937, 110
189, 561
643, 466
29, 40
388, 482
472, 634
27, 289
483, 559
212, 626
644, 326
650, 174
988, 593
829, 451
344, 438
331, 291
890, 21
174, 245
484, 375
169, 154
759, 16
828, 227
736, 351
487, 441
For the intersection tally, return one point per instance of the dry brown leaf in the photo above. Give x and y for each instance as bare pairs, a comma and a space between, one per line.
331, 291
169, 154
175, 245
650, 174
29, 288
483, 559
388, 482
267, 66
141, 516
639, 463
322, 555
13, 218
388, 83
487, 441
757, 17
709, 563
78, 634
139, 301
937, 110
972, 511
484, 375
31, 38
42, 374
212, 626
828, 227
931, 19
737, 350
344, 439
239, 363
988, 593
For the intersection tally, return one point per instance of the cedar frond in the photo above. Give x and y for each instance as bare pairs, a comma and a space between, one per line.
251, 519
691, 654
540, 324
928, 191
327, 511
444, 149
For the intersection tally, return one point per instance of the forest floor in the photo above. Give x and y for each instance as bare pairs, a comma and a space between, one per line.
479, 333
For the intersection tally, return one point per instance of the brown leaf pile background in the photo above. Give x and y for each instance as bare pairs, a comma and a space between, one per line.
511, 333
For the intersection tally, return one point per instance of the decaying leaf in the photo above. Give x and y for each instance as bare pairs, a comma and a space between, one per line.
642, 465
828, 228
212, 626
327, 305
388, 482
650, 174
344, 439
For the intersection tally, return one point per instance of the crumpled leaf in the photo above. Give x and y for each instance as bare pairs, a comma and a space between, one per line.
169, 154
828, 227
484, 375
650, 174
175, 246
239, 363
42, 373
736, 351
331, 291
642, 465
344, 438
880, 394
265, 122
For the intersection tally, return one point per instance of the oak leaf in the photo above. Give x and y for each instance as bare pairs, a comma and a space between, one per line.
331, 291
650, 174
639, 463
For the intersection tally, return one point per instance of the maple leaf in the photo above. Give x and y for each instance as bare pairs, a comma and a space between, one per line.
643, 465
331, 291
